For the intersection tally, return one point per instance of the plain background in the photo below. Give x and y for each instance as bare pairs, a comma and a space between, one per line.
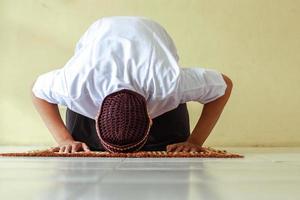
255, 42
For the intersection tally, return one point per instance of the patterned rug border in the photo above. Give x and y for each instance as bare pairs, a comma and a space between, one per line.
208, 153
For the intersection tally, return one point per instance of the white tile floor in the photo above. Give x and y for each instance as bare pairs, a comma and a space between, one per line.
264, 173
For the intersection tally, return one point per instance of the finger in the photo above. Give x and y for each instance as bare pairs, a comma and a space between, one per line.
171, 147
179, 148
168, 147
62, 149
186, 148
85, 147
73, 148
54, 149
77, 147
175, 146
68, 149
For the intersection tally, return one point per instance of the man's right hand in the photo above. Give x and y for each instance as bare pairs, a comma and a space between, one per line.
71, 147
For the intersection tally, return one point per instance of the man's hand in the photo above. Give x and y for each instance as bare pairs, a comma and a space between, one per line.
184, 147
71, 147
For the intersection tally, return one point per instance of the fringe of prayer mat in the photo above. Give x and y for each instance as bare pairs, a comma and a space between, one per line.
207, 153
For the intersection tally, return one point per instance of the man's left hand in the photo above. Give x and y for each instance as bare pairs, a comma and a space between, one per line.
184, 147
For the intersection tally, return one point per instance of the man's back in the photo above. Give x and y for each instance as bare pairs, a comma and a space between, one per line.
119, 53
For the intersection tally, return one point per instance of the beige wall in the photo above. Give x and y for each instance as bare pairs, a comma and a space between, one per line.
255, 42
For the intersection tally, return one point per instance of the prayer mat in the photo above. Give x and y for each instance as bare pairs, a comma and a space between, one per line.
207, 153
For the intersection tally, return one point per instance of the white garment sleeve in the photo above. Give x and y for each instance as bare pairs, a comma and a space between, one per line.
51, 87
201, 84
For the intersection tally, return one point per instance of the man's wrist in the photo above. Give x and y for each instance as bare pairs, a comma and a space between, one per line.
192, 139
66, 140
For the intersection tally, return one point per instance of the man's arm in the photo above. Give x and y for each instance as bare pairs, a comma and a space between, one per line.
50, 115
209, 117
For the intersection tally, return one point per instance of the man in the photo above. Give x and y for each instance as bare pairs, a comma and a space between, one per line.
124, 91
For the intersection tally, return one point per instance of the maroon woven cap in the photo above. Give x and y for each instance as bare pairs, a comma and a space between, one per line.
122, 122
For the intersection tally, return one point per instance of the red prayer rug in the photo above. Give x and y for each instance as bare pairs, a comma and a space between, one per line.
207, 153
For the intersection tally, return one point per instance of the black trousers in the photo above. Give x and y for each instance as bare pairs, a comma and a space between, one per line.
168, 128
